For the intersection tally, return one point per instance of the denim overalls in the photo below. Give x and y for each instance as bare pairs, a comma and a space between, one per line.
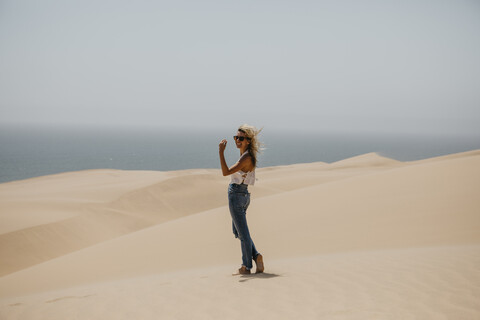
238, 200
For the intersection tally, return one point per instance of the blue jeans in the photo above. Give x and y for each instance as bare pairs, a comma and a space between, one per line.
238, 200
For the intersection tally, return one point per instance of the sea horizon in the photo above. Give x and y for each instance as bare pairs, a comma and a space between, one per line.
33, 151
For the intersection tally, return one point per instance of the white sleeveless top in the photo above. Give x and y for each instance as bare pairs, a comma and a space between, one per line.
240, 177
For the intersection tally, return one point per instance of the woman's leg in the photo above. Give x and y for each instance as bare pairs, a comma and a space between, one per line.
245, 240
235, 232
238, 203
255, 253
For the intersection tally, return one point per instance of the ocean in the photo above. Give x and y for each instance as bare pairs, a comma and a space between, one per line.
33, 152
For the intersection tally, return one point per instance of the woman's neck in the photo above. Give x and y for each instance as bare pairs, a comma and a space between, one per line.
242, 150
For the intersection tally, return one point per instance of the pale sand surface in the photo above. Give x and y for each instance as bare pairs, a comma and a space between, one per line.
425, 283
362, 238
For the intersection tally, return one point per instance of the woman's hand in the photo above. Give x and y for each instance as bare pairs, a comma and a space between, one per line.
222, 146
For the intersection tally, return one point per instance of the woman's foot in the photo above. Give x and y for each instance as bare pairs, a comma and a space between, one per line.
242, 270
259, 262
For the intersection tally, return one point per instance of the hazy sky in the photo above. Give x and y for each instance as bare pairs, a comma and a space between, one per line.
408, 66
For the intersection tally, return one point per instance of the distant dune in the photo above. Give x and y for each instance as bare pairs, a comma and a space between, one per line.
362, 238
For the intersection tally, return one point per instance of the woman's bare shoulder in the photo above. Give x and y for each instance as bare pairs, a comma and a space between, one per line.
247, 160
246, 157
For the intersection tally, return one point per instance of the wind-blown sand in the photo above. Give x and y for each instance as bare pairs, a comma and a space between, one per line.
362, 238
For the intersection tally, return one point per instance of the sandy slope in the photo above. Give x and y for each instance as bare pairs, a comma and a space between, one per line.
423, 283
366, 237
47, 217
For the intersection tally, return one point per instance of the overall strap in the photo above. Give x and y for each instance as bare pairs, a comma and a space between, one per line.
244, 174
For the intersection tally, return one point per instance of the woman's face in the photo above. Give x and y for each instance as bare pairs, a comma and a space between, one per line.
243, 143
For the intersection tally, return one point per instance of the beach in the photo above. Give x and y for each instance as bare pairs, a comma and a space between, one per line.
366, 237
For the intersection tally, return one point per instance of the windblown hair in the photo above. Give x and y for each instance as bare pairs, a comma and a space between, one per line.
255, 146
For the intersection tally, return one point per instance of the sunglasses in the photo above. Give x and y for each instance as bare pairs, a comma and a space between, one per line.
241, 138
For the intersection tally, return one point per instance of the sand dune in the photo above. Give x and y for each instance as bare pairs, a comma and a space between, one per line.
423, 283
368, 237
43, 200
369, 160
71, 211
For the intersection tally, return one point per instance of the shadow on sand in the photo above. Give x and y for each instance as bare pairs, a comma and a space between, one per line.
253, 276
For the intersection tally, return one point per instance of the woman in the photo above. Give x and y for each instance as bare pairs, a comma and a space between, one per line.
242, 175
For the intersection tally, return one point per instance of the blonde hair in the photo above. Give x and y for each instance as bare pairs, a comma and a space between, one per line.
254, 146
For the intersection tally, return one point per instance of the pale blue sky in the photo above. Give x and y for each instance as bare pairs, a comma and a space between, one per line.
381, 66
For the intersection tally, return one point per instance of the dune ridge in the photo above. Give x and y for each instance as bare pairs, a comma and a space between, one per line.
385, 234
70, 211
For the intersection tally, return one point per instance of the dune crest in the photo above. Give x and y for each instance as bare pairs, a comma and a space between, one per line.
372, 159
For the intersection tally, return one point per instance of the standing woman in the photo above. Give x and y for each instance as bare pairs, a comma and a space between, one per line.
242, 175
